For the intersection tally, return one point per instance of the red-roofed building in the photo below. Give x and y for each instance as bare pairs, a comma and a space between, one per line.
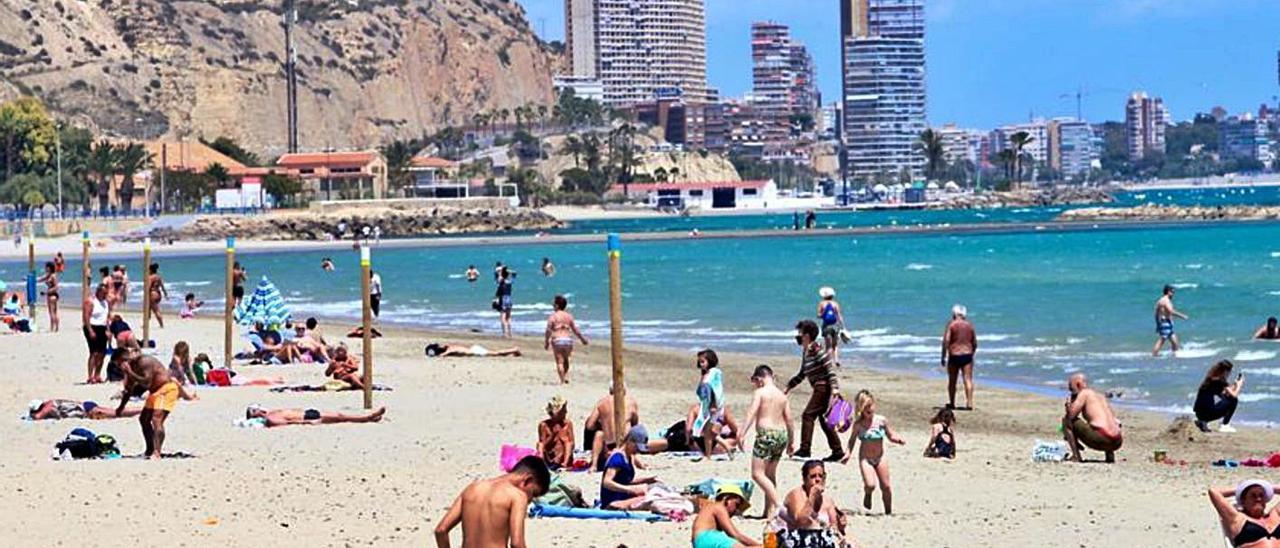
339, 175
705, 195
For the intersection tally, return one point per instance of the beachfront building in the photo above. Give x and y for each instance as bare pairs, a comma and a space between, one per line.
704, 195
828, 122
1074, 148
635, 48
1145, 119
1245, 137
434, 177
960, 144
189, 157
339, 175
582, 87
783, 82
883, 62
1037, 150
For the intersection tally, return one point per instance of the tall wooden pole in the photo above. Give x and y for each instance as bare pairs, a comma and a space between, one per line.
85, 269
615, 338
366, 319
146, 293
31, 274
231, 303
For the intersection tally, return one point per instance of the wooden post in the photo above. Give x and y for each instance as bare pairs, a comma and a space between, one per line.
231, 302
615, 338
85, 268
366, 320
146, 293
31, 274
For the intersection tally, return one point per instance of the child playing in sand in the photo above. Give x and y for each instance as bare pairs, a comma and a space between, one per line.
190, 306
180, 364
942, 436
872, 429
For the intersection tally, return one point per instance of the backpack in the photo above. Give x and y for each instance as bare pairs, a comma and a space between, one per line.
81, 444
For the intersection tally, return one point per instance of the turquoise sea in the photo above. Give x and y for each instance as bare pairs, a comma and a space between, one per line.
1045, 304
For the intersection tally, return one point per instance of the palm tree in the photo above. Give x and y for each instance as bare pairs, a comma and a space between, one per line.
1017, 142
542, 114
622, 152
477, 121
131, 159
103, 162
504, 115
660, 175
573, 145
675, 174
399, 155
930, 144
1005, 159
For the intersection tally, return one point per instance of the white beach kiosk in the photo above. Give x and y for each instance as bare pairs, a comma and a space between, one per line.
704, 195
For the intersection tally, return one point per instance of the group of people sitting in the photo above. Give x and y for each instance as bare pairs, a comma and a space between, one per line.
295, 343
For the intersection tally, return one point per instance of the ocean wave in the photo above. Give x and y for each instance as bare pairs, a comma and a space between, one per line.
1193, 266
1254, 396
1254, 355
888, 341
1275, 254
1020, 349
1123, 370
919, 266
1185, 285
191, 284
1196, 353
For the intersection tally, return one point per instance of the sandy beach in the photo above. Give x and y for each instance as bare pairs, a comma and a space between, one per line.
387, 484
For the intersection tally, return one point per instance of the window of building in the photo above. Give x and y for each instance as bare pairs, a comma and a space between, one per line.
749, 192
695, 193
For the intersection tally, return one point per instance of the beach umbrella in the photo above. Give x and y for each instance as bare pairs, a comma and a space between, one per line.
265, 305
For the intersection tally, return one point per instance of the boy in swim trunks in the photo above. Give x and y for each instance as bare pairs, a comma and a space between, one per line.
771, 416
713, 528
148, 373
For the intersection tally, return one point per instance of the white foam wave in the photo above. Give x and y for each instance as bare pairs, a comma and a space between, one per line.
191, 284
887, 341
1123, 370
1275, 254
919, 266
1196, 353
1254, 396
1254, 355
1277, 293
1020, 349
1185, 285
1193, 266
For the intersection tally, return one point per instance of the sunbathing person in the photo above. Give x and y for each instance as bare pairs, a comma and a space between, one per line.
680, 438
1246, 520
555, 435
286, 417
1089, 421
451, 350
598, 433
308, 346
492, 512
713, 527
345, 369
71, 409
268, 345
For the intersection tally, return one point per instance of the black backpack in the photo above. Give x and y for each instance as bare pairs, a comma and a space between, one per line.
80, 444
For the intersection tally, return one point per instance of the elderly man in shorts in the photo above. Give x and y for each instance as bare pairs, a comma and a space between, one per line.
147, 374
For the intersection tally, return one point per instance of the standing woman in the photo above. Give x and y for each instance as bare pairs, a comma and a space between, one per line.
1217, 398
50, 281
832, 322
94, 313
503, 299
155, 284
561, 329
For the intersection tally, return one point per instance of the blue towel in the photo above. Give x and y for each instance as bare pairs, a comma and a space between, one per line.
544, 511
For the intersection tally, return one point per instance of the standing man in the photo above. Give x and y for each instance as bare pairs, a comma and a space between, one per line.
771, 417
815, 365
238, 277
1165, 313
145, 373
503, 298
492, 512
959, 343
95, 313
1089, 421
375, 293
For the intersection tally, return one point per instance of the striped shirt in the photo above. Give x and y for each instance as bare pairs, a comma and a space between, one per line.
816, 366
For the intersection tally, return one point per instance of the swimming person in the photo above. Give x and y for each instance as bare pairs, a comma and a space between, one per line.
1242, 512
286, 417
94, 314
832, 322
810, 512
472, 273
872, 429
502, 298
155, 284
326, 264
555, 435
620, 489
710, 393
1165, 313
51, 287
1217, 398
492, 512
959, 343
1089, 421
147, 373
942, 436
815, 365
1268, 332
713, 526
548, 269
558, 337
375, 293
771, 416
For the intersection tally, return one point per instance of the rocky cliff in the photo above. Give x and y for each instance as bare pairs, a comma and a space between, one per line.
1151, 212
368, 70
1028, 198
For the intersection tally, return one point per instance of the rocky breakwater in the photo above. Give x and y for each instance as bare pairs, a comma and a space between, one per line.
1028, 198
395, 223
1150, 212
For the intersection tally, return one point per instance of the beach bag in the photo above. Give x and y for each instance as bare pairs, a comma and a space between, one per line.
841, 414
218, 377
107, 446
80, 444
511, 455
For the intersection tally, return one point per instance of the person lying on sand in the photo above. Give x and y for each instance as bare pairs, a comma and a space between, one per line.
342, 367
270, 345
286, 417
713, 527
1242, 511
1089, 421
70, 409
597, 432
358, 332
492, 512
454, 350
681, 438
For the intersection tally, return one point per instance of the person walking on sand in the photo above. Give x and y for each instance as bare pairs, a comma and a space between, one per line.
155, 284
872, 430
147, 374
959, 343
492, 512
713, 526
815, 366
771, 416
710, 391
1089, 421
832, 322
503, 297
1217, 398
1165, 313
51, 289
559, 335
95, 314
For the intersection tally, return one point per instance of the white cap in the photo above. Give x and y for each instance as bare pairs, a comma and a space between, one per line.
1243, 486
826, 292
35, 405
959, 310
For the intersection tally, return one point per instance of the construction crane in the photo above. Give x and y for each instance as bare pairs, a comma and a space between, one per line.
1081, 93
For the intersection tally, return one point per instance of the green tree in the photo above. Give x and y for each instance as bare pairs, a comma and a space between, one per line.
28, 135
218, 175
131, 159
284, 188
930, 145
1017, 142
572, 145
187, 189
660, 175
233, 150
623, 155
103, 163
399, 156
21, 188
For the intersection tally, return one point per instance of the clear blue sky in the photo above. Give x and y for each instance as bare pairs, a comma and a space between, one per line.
992, 62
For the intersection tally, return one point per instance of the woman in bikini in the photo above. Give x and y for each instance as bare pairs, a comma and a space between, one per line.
561, 329
872, 429
942, 436
155, 284
50, 281
1250, 525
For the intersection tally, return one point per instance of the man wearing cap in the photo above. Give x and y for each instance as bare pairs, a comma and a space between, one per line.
619, 487
713, 528
959, 342
1089, 421
555, 435
1243, 512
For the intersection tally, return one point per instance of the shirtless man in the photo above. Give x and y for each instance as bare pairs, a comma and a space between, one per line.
147, 373
285, 417
598, 431
959, 342
1089, 421
492, 512
342, 367
771, 417
1165, 313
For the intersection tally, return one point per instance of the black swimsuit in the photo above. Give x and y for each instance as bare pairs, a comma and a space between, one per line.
1252, 532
